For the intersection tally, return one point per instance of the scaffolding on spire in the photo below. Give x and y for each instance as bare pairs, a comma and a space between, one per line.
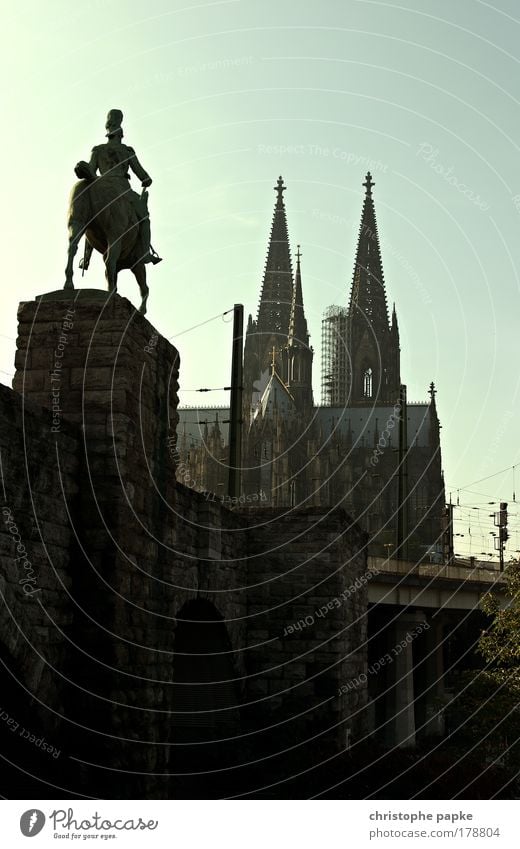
333, 357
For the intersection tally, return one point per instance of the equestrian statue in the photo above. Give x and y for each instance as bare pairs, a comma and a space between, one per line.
113, 218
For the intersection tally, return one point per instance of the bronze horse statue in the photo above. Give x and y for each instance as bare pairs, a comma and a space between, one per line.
109, 220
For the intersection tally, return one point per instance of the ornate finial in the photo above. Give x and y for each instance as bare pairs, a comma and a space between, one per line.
368, 184
273, 363
433, 391
280, 188
298, 254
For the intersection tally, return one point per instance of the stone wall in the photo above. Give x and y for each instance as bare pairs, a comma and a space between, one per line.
155, 597
39, 494
307, 622
35, 543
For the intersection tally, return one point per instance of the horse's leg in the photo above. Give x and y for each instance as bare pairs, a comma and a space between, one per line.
140, 275
111, 258
76, 231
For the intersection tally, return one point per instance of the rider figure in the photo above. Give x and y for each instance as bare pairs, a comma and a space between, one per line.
113, 159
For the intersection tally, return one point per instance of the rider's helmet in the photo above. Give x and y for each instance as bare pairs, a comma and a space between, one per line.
113, 124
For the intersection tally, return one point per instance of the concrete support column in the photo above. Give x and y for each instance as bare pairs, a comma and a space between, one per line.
401, 727
434, 676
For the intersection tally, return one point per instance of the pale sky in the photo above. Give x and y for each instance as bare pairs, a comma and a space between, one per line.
219, 99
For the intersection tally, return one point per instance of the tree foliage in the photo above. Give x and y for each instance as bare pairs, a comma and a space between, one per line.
500, 643
485, 714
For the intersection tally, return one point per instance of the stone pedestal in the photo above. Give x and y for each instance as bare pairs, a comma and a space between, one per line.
90, 357
94, 363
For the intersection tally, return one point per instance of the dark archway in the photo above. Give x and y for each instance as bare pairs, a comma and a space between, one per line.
204, 698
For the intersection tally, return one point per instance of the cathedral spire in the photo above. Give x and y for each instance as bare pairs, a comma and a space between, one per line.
298, 354
298, 330
368, 296
372, 342
276, 297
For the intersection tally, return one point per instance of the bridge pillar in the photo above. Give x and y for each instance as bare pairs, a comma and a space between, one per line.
434, 665
401, 701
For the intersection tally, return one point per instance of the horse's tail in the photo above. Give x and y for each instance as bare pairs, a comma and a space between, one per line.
80, 204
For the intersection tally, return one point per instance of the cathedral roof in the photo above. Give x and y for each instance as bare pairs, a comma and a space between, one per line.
364, 421
195, 424
275, 399
336, 420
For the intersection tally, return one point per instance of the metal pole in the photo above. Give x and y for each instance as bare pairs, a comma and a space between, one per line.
405, 475
451, 550
402, 523
235, 412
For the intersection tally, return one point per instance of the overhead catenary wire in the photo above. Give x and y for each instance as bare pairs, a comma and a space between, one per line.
488, 477
201, 323
475, 519
210, 389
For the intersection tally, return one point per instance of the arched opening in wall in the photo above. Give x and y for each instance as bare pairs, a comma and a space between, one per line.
205, 703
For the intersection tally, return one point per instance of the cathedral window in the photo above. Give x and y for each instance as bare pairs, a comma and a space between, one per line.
367, 383
421, 499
